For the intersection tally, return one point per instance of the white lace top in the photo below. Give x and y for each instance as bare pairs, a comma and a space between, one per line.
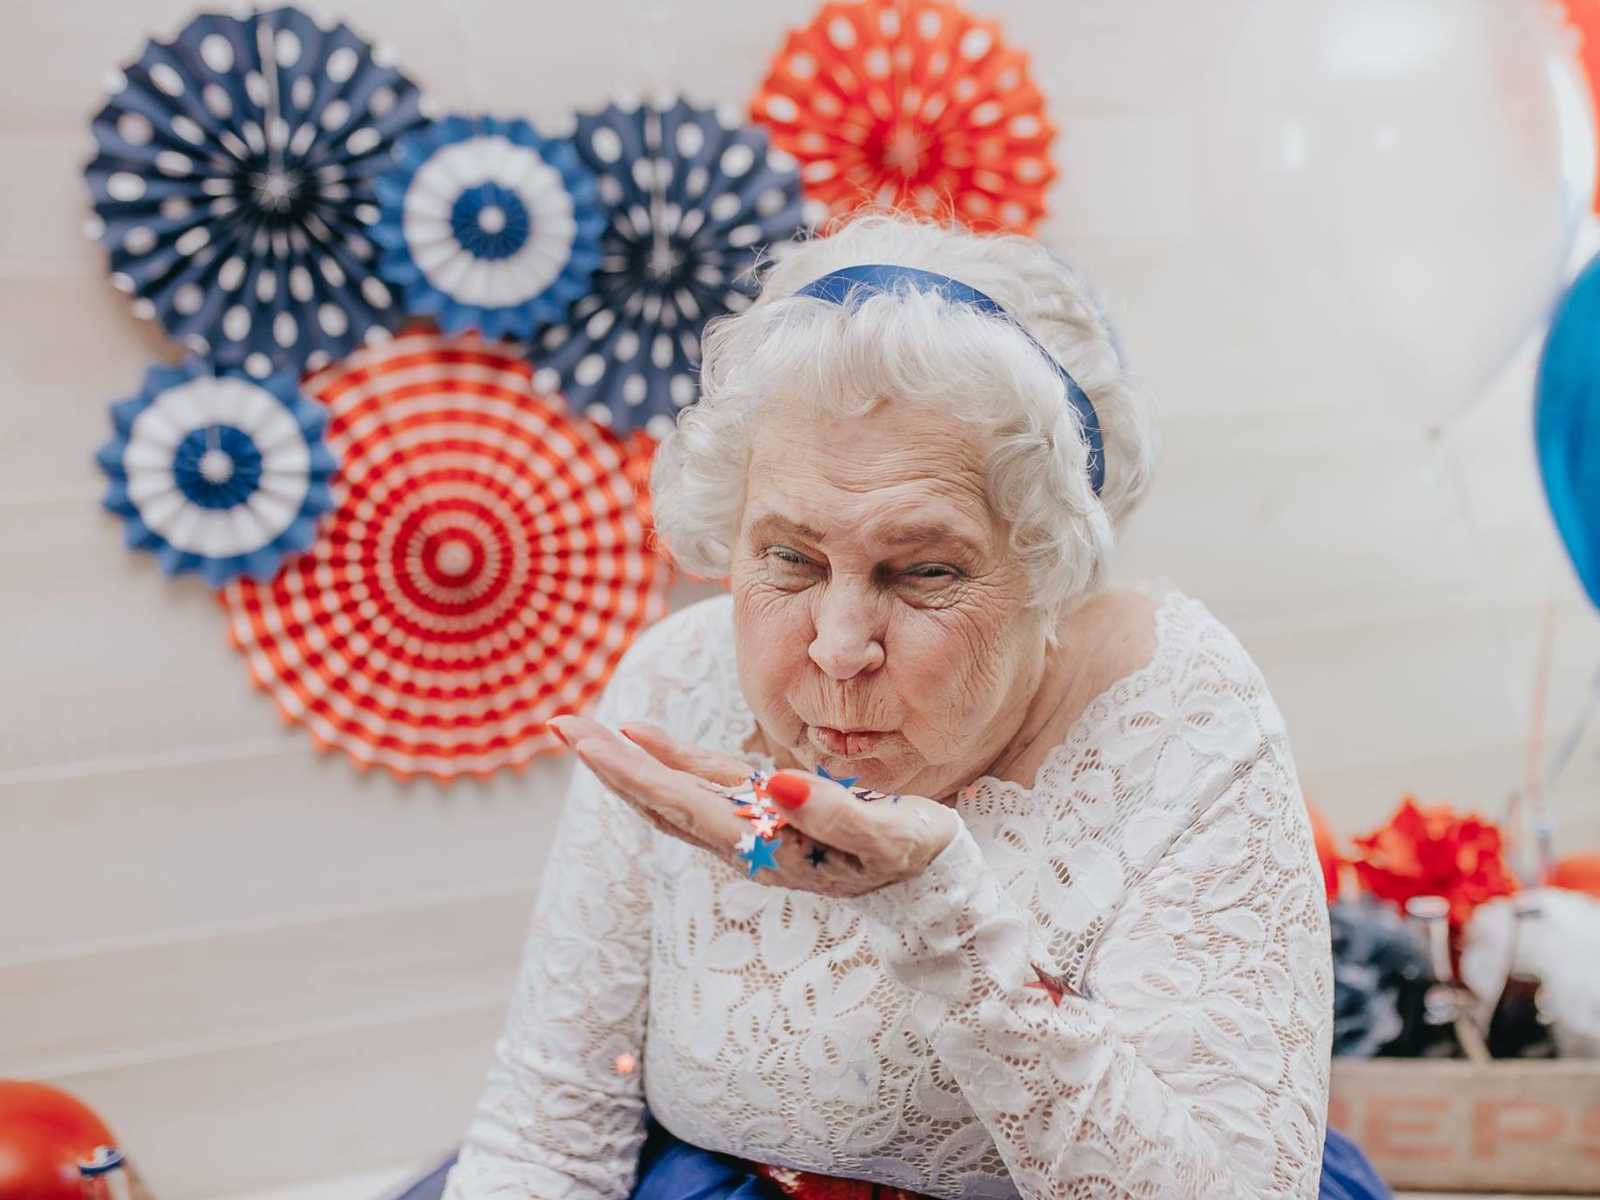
1161, 866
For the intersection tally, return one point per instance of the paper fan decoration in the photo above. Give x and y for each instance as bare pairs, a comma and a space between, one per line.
693, 197
218, 474
232, 186
487, 225
912, 103
483, 571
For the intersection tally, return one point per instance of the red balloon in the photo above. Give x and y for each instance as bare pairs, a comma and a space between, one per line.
44, 1133
1584, 16
1579, 872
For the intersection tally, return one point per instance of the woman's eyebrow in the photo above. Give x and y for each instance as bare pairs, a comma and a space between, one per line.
774, 525
924, 533
906, 533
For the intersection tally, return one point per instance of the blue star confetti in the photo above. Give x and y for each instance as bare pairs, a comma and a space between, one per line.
760, 853
846, 781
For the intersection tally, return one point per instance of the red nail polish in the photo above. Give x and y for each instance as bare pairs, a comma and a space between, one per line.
791, 791
560, 735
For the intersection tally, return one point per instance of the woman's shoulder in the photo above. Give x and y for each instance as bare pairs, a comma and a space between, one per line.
1156, 624
1160, 649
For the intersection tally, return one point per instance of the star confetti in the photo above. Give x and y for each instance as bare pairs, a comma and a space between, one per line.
848, 781
870, 794
817, 854
761, 854
625, 1064
851, 783
1048, 984
752, 801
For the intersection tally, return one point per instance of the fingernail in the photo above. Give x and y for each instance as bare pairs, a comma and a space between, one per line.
628, 733
791, 791
556, 729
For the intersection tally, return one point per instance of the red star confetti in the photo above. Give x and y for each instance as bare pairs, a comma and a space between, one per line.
625, 1063
1048, 984
755, 804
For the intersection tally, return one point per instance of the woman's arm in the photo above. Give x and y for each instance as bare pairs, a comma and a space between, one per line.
557, 1120
1198, 1063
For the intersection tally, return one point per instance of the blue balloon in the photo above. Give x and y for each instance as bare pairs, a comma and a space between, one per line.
1567, 424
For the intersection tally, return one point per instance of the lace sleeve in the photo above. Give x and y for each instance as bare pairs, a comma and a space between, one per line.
556, 1119
1190, 1055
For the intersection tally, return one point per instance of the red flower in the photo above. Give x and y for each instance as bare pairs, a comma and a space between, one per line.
1327, 851
1434, 852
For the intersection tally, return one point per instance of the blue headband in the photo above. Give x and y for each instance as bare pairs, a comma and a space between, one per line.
883, 278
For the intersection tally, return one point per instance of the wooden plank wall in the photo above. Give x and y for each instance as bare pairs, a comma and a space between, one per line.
263, 966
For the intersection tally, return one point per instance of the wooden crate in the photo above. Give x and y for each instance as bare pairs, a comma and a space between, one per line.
1469, 1127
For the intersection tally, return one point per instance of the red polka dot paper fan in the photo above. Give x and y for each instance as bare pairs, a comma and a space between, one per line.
914, 103
484, 570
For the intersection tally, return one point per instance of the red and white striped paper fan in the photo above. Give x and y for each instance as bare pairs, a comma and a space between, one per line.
484, 570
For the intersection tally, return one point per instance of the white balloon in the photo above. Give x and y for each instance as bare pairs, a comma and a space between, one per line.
1396, 185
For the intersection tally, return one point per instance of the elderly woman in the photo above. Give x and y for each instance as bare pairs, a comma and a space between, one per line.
1028, 903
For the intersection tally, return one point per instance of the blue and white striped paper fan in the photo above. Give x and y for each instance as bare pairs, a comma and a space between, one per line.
488, 225
218, 474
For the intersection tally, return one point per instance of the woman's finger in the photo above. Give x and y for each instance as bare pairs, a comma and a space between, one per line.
719, 768
691, 804
823, 809
894, 837
827, 833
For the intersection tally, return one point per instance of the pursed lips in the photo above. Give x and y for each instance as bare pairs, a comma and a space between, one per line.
846, 743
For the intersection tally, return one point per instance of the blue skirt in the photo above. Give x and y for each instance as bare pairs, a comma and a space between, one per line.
670, 1169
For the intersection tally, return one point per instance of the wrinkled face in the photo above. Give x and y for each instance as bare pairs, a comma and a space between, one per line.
882, 622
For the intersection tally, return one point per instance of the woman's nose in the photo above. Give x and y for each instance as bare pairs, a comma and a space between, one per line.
847, 640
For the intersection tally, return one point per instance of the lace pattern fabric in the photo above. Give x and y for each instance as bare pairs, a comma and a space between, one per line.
1161, 868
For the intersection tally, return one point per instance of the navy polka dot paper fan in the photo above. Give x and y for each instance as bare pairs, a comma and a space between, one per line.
232, 186
694, 197
488, 225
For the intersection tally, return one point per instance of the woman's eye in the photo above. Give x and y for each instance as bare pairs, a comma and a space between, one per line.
792, 563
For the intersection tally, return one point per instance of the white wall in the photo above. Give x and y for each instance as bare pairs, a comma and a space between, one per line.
261, 965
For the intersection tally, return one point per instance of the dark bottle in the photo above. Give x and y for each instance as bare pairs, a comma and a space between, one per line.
1407, 967
1517, 1029
1447, 1029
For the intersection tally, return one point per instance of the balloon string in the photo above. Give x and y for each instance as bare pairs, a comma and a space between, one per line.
1569, 744
1533, 794
1455, 475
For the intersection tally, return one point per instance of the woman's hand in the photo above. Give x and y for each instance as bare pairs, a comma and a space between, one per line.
833, 843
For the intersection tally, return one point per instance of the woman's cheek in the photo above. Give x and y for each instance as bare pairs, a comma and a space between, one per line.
954, 663
770, 629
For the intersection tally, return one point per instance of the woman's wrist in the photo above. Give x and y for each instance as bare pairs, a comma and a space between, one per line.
932, 894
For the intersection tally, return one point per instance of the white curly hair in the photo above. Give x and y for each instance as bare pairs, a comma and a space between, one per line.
917, 347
